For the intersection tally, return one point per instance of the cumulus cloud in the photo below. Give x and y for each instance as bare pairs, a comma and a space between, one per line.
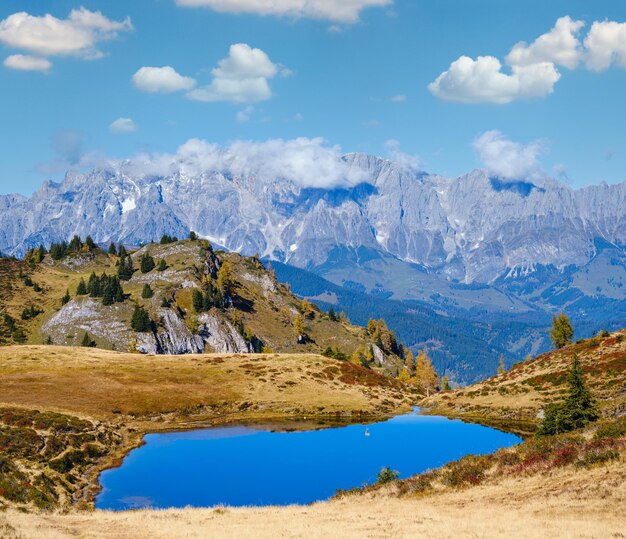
344, 11
405, 160
309, 163
78, 35
23, 62
559, 46
242, 77
531, 69
123, 125
507, 159
606, 45
161, 79
483, 81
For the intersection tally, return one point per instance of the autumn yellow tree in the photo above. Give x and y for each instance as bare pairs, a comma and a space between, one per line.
425, 375
225, 278
299, 329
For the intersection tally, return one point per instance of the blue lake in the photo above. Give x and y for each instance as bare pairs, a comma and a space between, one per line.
238, 466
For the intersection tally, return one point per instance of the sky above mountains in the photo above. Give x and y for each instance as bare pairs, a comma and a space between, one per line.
525, 89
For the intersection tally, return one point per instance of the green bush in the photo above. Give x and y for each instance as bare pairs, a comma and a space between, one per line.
387, 475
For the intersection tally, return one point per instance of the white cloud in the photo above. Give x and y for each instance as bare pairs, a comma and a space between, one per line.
401, 98
507, 159
558, 46
483, 81
244, 115
342, 11
533, 71
24, 62
405, 160
123, 125
161, 79
309, 163
78, 35
242, 77
606, 45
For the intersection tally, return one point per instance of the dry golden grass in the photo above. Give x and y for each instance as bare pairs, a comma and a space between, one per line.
165, 389
560, 505
519, 394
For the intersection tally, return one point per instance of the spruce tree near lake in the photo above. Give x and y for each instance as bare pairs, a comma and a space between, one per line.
577, 410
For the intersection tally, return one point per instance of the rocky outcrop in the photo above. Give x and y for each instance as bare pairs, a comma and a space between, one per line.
221, 336
86, 315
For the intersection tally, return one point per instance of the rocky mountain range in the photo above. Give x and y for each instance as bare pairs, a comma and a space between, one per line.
476, 247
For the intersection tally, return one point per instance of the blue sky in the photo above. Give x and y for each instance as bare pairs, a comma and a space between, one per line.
358, 78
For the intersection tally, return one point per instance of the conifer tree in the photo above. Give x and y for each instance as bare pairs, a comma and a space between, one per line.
161, 266
147, 292
146, 263
90, 243
87, 342
577, 410
140, 321
66, 298
331, 315
125, 269
93, 286
75, 244
445, 383
192, 235
112, 249
501, 365
81, 289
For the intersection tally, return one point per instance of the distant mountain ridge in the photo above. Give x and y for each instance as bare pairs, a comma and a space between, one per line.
450, 227
491, 251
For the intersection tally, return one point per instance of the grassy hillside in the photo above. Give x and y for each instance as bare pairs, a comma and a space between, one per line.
67, 413
519, 395
256, 313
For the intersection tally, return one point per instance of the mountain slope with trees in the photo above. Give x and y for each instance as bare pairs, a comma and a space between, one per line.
172, 297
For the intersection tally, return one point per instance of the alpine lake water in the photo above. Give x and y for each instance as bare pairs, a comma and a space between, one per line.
254, 466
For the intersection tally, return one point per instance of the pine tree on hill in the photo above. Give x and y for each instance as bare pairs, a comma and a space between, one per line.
140, 321
577, 410
66, 298
91, 245
125, 269
112, 249
87, 342
93, 286
146, 263
147, 291
161, 266
81, 289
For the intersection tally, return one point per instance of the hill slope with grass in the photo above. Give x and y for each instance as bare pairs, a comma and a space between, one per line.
177, 297
520, 395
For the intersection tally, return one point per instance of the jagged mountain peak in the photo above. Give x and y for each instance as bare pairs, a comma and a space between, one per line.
473, 228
